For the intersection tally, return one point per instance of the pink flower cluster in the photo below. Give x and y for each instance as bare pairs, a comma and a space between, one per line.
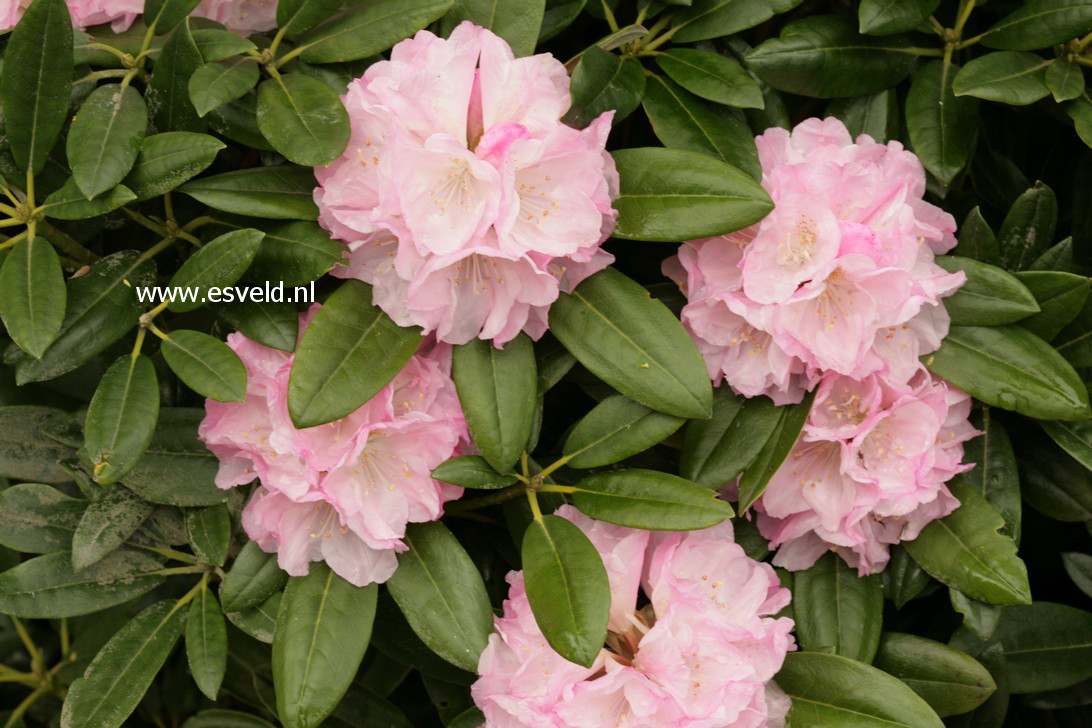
241, 16
465, 201
342, 492
702, 652
838, 288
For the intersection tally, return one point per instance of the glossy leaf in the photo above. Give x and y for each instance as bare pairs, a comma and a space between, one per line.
303, 118
977, 240
1028, 228
111, 518
323, 627
903, 579
295, 253
220, 45
68, 203
884, 17
567, 588
298, 16
1039, 24
756, 476
1073, 437
941, 125
495, 389
673, 194
209, 533
207, 365
206, 642
259, 622
649, 499
176, 468
950, 681
1007, 77
836, 610
219, 262
1060, 296
518, 23
166, 14
37, 518
990, 296
705, 19
275, 325
121, 418
1052, 482
365, 31
979, 618
716, 450
965, 551
168, 92
215, 84
603, 81
442, 595
472, 471
634, 343
1065, 79
254, 576
1079, 568
348, 353
32, 295
711, 76
279, 193
105, 138
1047, 646
876, 115
167, 160
614, 430
995, 475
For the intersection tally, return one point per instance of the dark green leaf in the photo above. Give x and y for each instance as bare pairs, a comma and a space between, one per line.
706, 19
1057, 257
280, 193
220, 45
238, 121
1061, 296
46, 587
558, 16
68, 203
442, 595
215, 84
1079, 568
254, 576
121, 418
365, 31
275, 325
876, 115
836, 610
471, 471
518, 23
110, 519
206, 642
884, 17
348, 353
1011, 368
166, 14
220, 262
125, 667
989, 297
824, 56
259, 622
1065, 79
177, 469
206, 365
497, 392
1039, 24
37, 518
965, 551
951, 681
979, 618
603, 81
616, 429
303, 118
634, 343
1073, 437
673, 194
1028, 228
649, 499
567, 587
218, 718
830, 691
681, 120
1075, 340
1047, 646
1052, 482
168, 90
298, 16
167, 160
903, 579
26, 452
37, 82
105, 138
995, 475
941, 125
757, 474
323, 627
711, 76
1007, 77
976, 239
717, 450
209, 533
295, 253
32, 295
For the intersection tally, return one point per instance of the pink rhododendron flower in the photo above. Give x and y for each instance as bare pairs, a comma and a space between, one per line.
242, 16
702, 652
837, 289
464, 200
342, 492
120, 14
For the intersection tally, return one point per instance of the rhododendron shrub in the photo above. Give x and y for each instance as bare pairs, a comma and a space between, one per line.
459, 363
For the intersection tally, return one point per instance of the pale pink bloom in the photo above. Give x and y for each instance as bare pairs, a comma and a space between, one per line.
463, 198
342, 492
702, 653
120, 14
242, 16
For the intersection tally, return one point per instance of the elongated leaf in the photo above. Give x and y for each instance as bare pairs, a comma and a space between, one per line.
716, 450
167, 160
323, 627
876, 115
254, 576
101, 307
1058, 257
681, 120
68, 203
672, 194
995, 474
1028, 228
47, 587
206, 365
837, 611
518, 23
220, 45
1065, 79
348, 353
757, 474
634, 343
1073, 437
711, 76
496, 388
976, 239
121, 418
124, 668
298, 16
1007, 76
26, 452
295, 253
706, 19
990, 296
1039, 24
218, 718
280, 193
616, 429
168, 90
220, 262
567, 587
37, 518
941, 124
884, 17
114, 515
830, 691
965, 551
37, 82
1047, 646
442, 595
209, 533
1011, 368
472, 471
951, 681
978, 617
215, 84
903, 579
32, 295
603, 81
367, 30
824, 56
303, 118
206, 642
105, 138
177, 469
1060, 296
1079, 568
275, 325
166, 14
649, 499
259, 622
